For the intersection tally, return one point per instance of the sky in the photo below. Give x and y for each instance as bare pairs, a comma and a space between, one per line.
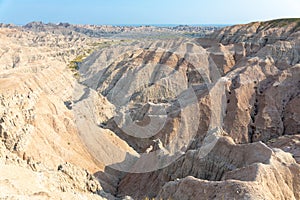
146, 11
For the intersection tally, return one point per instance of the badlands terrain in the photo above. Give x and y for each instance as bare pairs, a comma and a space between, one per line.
103, 112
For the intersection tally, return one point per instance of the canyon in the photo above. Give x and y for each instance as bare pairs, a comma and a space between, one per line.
103, 112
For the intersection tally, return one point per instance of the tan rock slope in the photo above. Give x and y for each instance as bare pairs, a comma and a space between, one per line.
179, 118
35, 123
246, 82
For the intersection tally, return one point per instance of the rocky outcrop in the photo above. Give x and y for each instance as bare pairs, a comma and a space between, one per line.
17, 117
119, 31
244, 79
288, 143
227, 167
37, 125
34, 118
24, 178
258, 33
256, 181
151, 85
271, 71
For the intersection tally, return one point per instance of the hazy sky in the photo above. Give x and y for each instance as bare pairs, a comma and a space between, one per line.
146, 11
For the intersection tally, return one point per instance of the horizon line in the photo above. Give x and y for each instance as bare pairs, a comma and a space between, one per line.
126, 24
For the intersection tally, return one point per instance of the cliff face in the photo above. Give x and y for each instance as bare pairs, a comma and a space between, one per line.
266, 78
212, 118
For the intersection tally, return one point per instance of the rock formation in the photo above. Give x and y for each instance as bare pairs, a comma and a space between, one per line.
215, 117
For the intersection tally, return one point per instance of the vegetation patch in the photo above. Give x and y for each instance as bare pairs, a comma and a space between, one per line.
74, 64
